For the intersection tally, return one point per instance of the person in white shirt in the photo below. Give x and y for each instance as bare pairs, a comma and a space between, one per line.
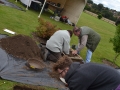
58, 43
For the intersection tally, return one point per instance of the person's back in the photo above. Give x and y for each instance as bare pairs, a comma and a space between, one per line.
58, 40
58, 43
92, 76
93, 37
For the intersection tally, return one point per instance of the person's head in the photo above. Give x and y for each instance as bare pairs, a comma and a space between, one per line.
70, 32
62, 66
76, 31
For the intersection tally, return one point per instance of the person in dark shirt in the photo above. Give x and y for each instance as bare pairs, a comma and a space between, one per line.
88, 76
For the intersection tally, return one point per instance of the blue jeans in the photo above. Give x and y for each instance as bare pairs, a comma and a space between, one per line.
88, 56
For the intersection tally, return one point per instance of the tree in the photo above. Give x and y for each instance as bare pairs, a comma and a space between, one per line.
90, 1
94, 6
100, 7
107, 14
87, 7
116, 42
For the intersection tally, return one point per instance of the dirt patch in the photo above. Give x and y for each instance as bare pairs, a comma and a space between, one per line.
21, 46
26, 87
109, 63
38, 39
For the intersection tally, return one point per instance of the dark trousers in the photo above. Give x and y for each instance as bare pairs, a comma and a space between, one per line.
53, 56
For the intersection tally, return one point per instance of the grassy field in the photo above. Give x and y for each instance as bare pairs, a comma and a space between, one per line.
25, 22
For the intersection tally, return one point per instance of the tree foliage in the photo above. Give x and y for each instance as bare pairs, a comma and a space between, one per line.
105, 11
100, 7
90, 1
116, 42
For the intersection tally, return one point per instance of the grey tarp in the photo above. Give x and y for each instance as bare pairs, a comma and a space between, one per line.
12, 68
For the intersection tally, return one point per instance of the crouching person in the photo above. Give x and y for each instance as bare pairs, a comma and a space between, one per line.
58, 43
88, 76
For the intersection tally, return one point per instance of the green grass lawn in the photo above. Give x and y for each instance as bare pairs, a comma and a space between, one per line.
25, 22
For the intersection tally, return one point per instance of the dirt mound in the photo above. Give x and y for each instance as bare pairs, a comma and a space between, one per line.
21, 46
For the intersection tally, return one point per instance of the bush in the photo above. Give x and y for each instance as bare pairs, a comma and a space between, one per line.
116, 42
99, 16
45, 29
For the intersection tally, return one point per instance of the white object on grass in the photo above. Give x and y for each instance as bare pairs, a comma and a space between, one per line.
9, 31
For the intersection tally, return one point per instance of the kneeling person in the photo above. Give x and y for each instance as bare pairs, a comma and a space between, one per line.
59, 42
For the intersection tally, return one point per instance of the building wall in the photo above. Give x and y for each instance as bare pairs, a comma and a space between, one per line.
73, 9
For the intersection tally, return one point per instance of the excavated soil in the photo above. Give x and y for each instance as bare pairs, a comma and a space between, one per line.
109, 63
26, 87
21, 46
38, 39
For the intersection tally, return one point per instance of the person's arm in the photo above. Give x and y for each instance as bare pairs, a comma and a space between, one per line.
81, 44
66, 46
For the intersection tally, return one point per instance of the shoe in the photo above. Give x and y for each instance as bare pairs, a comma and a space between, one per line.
42, 52
45, 55
42, 45
82, 61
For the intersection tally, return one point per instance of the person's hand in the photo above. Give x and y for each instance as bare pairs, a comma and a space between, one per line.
74, 52
66, 85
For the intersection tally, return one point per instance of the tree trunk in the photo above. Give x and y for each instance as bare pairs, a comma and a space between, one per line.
117, 54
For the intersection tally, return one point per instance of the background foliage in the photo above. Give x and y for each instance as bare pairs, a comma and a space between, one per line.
100, 9
116, 42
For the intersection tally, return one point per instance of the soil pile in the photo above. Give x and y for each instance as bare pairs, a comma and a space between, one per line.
21, 46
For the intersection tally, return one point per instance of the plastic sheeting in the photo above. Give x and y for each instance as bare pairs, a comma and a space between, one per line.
12, 68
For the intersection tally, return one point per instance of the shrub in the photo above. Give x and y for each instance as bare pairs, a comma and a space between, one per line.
45, 29
99, 16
